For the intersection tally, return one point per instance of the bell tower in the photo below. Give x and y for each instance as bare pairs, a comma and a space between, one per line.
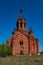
21, 24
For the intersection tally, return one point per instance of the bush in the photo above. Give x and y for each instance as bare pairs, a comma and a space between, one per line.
0, 50
5, 50
9, 50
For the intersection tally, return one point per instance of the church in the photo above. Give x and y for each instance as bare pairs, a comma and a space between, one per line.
22, 41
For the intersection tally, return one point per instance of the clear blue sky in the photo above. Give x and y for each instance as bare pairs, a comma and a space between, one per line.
32, 11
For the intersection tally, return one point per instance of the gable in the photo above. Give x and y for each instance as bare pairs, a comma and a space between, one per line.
19, 34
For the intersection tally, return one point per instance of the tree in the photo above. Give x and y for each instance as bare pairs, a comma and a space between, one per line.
0, 50
9, 50
3, 50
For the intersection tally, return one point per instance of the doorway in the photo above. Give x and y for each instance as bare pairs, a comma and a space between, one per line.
21, 52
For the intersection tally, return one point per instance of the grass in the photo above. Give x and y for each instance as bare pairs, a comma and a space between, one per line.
22, 60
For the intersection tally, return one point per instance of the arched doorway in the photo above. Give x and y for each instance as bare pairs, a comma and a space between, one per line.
21, 52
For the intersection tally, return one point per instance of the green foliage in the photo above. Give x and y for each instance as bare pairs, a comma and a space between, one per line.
0, 50
9, 50
5, 50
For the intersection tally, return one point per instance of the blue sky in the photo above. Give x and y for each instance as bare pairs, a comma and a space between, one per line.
32, 12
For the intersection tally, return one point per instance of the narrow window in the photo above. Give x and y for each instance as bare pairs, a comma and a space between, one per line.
24, 25
11, 45
21, 24
21, 42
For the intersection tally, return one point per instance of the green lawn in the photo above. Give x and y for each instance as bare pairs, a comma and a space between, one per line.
22, 60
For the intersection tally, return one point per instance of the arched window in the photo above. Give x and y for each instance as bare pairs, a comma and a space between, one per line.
20, 24
24, 25
21, 42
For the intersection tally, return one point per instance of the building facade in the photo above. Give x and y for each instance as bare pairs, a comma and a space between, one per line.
23, 42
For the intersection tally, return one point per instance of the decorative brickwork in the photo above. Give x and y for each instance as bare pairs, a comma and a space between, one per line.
22, 42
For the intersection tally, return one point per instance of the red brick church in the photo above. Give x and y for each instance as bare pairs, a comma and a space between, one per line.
23, 42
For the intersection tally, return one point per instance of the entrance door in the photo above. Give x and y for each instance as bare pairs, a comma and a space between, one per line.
21, 52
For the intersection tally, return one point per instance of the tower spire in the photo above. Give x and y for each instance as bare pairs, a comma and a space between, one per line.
21, 15
20, 12
31, 29
31, 32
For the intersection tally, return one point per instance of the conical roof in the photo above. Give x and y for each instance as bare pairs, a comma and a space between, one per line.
30, 31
